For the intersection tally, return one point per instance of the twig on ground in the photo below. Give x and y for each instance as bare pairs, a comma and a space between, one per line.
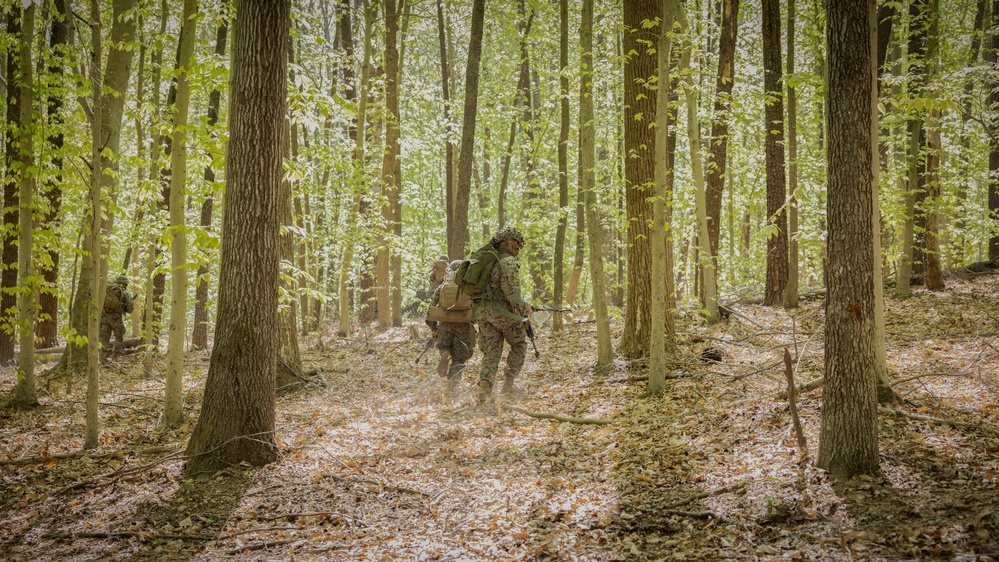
793, 405
83, 453
293, 516
694, 514
260, 546
716, 492
557, 417
930, 419
124, 534
259, 530
402, 489
120, 473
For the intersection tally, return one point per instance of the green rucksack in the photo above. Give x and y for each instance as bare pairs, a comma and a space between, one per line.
473, 273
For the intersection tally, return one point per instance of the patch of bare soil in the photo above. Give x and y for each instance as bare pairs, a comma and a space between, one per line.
376, 467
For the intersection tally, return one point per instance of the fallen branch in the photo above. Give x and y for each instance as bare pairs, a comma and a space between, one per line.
793, 405
807, 387
557, 417
716, 492
124, 534
260, 530
939, 421
402, 489
261, 545
291, 517
694, 514
82, 453
119, 474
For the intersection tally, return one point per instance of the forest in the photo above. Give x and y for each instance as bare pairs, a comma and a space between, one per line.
758, 240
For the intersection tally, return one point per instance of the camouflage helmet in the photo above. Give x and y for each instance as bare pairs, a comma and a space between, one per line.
507, 232
121, 280
453, 266
443, 258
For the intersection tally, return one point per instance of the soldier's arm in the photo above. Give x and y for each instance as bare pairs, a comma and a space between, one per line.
510, 284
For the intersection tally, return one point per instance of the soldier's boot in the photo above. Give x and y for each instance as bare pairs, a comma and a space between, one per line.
450, 390
509, 388
442, 365
485, 391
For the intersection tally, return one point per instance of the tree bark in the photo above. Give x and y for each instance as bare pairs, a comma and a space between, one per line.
992, 85
8, 277
47, 330
92, 306
237, 416
466, 151
934, 270
774, 147
24, 394
563, 161
587, 149
848, 442
639, 172
791, 290
391, 183
718, 150
199, 335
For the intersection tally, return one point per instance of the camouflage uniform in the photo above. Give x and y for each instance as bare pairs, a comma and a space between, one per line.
455, 340
112, 322
493, 314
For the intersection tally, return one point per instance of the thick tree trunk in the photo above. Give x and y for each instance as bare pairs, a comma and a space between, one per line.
639, 171
391, 184
849, 435
774, 147
934, 146
237, 416
791, 290
8, 277
992, 85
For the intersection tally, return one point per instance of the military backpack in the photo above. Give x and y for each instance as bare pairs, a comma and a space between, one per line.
473, 273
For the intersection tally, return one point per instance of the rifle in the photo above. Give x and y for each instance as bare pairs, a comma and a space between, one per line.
550, 308
430, 342
530, 334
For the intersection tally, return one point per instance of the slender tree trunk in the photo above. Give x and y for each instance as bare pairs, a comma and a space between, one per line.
791, 291
964, 206
91, 308
466, 151
24, 394
706, 257
199, 335
237, 416
587, 148
289, 366
934, 269
849, 435
639, 171
774, 148
563, 159
47, 329
173, 407
992, 85
391, 184
448, 142
662, 344
505, 177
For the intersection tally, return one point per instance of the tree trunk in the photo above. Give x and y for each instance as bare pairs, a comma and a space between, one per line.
173, 408
47, 330
849, 435
587, 149
774, 148
992, 86
934, 271
24, 394
199, 335
112, 104
391, 184
8, 296
448, 143
237, 416
706, 256
289, 366
639, 171
718, 150
662, 343
791, 290
563, 160
466, 152
92, 306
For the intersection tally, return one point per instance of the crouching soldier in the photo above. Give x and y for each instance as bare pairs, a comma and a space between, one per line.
450, 322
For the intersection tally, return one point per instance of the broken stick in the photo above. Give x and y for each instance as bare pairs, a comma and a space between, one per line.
557, 417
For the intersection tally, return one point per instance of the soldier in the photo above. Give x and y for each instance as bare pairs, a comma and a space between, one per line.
501, 314
117, 302
455, 340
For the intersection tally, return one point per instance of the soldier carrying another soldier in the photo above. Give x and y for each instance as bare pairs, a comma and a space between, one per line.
501, 313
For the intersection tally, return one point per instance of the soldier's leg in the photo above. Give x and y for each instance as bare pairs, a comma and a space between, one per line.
445, 343
461, 350
105, 332
491, 341
515, 333
119, 329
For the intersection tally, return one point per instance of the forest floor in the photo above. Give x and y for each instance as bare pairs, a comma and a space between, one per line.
375, 467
